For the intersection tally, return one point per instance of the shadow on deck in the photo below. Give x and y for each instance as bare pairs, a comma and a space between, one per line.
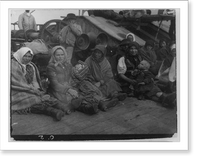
130, 119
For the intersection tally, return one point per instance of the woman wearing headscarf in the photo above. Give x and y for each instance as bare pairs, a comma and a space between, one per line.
126, 65
148, 53
162, 52
59, 74
27, 93
101, 72
131, 37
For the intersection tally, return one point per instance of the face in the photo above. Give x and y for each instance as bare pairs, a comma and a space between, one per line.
27, 58
173, 52
163, 44
59, 55
72, 21
130, 37
133, 51
79, 67
143, 65
149, 48
97, 54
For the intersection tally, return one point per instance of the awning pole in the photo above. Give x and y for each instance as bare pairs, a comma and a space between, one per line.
158, 29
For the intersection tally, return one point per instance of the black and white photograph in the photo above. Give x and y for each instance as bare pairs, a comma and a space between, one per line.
94, 74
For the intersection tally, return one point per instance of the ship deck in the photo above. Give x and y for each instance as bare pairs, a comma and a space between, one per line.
130, 119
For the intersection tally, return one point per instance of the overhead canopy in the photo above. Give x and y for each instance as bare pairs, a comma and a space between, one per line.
112, 28
151, 18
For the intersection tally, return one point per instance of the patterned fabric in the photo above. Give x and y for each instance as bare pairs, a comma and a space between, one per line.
80, 74
101, 71
83, 81
29, 74
22, 95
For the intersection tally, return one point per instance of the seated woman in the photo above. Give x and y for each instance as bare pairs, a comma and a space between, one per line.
102, 76
146, 88
92, 96
147, 53
162, 52
126, 65
59, 74
27, 94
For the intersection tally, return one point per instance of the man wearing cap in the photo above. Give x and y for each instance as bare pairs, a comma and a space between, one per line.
69, 33
26, 21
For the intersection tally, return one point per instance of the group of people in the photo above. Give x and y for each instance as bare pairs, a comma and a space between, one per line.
88, 86
138, 67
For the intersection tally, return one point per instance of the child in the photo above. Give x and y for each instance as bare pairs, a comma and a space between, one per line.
145, 87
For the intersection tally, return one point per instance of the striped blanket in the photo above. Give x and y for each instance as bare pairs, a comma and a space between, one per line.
22, 96
81, 74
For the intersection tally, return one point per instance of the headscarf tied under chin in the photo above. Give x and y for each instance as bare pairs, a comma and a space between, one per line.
53, 59
103, 51
18, 55
131, 35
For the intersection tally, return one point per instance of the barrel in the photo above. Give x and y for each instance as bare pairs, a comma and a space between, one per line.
102, 39
86, 41
19, 34
13, 32
32, 34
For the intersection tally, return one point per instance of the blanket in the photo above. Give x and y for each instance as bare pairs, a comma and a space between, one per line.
22, 95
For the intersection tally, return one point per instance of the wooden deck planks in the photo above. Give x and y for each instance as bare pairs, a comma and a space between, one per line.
131, 116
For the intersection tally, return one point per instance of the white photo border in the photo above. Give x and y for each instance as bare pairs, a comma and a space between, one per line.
182, 44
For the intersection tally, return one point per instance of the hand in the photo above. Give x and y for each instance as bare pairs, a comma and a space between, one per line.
97, 84
102, 82
141, 83
133, 82
73, 93
38, 92
45, 97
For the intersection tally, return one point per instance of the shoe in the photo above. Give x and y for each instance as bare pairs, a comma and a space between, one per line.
120, 96
88, 108
105, 105
76, 102
56, 113
141, 97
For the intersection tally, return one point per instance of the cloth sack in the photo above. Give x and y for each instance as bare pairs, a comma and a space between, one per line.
37, 46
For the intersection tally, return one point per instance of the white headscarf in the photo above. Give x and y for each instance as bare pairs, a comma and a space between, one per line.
173, 46
20, 53
53, 59
131, 35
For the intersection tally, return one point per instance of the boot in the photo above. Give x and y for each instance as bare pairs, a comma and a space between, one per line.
120, 96
56, 113
105, 105
64, 107
50, 111
168, 99
88, 108
76, 102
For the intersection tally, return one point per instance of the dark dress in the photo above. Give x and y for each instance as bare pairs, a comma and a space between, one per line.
131, 64
148, 89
